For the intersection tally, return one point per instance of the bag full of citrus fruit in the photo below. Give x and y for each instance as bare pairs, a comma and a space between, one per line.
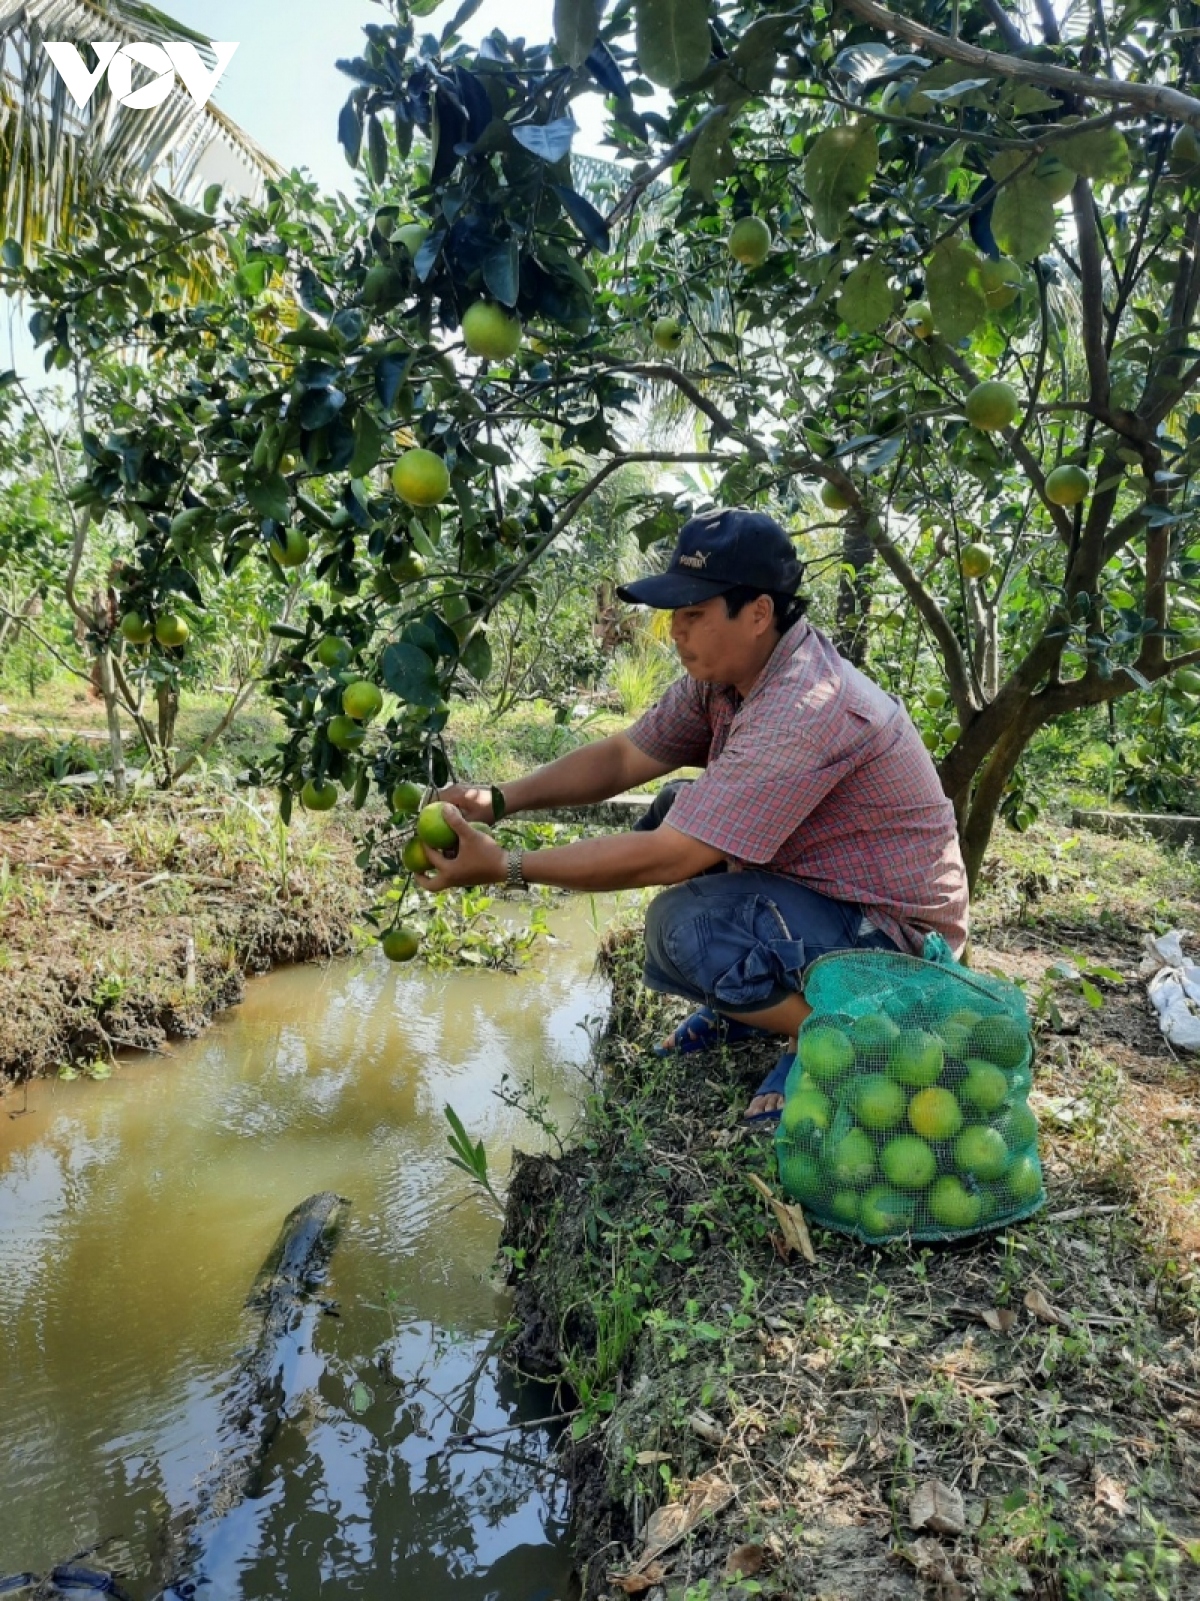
906, 1112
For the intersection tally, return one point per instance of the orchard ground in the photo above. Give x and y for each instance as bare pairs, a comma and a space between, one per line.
787, 1410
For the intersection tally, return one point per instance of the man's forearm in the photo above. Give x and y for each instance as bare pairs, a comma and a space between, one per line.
580, 778
619, 861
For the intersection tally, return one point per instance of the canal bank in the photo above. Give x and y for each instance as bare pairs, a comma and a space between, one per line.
754, 1423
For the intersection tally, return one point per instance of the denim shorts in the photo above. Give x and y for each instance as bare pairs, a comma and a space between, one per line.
740, 941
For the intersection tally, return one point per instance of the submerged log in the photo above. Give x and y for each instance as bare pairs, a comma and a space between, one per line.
255, 1404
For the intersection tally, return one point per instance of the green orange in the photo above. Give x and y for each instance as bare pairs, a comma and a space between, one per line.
1024, 1179
406, 798
1002, 1040
908, 1162
935, 1114
952, 1205
984, 1086
852, 1159
805, 1111
981, 1152
401, 944
878, 1102
433, 829
414, 858
333, 652
137, 630
883, 1212
873, 1034
318, 796
916, 1058
825, 1052
345, 734
362, 700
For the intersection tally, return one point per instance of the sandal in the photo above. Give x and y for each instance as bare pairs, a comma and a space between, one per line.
773, 1084
706, 1029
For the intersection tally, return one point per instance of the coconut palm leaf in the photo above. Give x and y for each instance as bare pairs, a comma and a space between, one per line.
55, 156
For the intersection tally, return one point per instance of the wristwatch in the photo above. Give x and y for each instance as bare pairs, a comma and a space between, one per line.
514, 877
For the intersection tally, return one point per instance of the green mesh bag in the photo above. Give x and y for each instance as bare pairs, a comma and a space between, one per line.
906, 1113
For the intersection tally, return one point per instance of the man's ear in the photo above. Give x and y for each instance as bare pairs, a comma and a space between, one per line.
764, 612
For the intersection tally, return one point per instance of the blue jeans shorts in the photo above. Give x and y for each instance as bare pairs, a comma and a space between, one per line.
740, 941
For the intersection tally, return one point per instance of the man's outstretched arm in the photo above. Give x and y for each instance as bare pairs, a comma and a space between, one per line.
615, 861
592, 773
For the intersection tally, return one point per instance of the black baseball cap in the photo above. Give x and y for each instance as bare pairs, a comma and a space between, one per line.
718, 551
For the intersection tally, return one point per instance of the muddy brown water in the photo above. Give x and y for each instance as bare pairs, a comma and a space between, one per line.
135, 1213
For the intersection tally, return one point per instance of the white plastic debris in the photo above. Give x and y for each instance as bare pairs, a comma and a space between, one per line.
1174, 988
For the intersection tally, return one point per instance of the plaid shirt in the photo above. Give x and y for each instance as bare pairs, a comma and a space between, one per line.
821, 776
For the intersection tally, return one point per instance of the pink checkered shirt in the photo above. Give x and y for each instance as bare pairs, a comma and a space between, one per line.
819, 775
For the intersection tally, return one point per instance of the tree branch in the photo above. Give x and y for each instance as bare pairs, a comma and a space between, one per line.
1091, 273
957, 670
1155, 99
1005, 26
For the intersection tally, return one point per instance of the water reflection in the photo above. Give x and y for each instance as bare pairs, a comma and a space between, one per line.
134, 1215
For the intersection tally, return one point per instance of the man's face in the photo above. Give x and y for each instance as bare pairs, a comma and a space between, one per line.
716, 648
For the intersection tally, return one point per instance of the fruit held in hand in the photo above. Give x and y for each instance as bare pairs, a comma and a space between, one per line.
975, 561
1067, 486
171, 629
362, 700
433, 829
490, 332
749, 241
406, 798
414, 858
667, 333
421, 478
136, 630
401, 944
318, 796
991, 405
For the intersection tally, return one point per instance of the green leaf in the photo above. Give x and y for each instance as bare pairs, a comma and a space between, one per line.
866, 299
251, 279
672, 40
312, 339
755, 55
360, 1397
477, 657
576, 23
269, 496
350, 130
501, 272
377, 150
1023, 220
837, 172
368, 444
12, 255
499, 808
409, 673
956, 300
1101, 153
711, 158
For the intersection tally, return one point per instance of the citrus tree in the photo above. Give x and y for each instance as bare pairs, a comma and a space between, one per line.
939, 266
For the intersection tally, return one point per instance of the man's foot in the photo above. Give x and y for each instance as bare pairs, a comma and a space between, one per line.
768, 1098
704, 1030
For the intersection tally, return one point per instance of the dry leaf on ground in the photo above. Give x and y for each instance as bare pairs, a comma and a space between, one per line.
745, 1562
636, 1583
1112, 1494
1041, 1308
937, 1506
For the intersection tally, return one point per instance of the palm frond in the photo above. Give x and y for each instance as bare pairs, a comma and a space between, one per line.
56, 156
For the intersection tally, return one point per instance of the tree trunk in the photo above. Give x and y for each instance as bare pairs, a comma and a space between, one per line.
168, 711
854, 591
116, 749
977, 802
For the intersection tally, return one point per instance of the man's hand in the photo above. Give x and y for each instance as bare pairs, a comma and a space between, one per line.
473, 802
478, 859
